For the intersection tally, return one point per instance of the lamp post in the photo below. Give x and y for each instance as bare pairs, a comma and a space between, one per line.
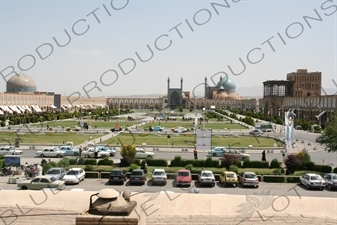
119, 107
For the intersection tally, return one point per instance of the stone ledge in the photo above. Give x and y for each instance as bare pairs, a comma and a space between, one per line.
107, 220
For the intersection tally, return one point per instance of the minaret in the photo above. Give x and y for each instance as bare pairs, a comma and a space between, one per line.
181, 84
205, 87
168, 92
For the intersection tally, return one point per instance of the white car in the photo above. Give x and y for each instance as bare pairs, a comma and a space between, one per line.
206, 177
142, 154
9, 150
180, 130
90, 153
159, 177
50, 152
74, 176
312, 181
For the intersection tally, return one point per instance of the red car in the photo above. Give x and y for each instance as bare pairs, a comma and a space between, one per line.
184, 178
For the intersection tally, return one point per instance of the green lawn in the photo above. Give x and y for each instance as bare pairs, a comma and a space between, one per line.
212, 125
188, 140
7, 138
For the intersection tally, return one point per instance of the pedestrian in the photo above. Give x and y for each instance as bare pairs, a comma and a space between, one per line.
145, 168
195, 152
80, 150
43, 161
264, 155
283, 153
38, 170
96, 153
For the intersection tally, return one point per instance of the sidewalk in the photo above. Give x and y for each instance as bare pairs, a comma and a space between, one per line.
31, 207
59, 217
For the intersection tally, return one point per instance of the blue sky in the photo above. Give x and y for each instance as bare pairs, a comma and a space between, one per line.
220, 37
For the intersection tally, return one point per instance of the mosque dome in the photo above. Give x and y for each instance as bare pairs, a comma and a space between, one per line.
21, 83
227, 84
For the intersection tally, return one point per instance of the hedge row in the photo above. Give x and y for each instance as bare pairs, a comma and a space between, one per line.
2, 162
156, 162
83, 161
255, 164
322, 168
209, 162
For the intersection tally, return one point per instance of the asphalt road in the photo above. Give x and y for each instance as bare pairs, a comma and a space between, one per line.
319, 157
264, 188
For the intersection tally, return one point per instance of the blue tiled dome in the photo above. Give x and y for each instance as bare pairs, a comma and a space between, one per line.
21, 83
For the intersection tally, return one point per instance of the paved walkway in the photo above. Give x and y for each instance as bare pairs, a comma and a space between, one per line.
25, 216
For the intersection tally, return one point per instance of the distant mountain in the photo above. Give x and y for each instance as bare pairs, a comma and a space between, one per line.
253, 91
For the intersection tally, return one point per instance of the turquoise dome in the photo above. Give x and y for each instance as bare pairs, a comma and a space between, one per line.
227, 84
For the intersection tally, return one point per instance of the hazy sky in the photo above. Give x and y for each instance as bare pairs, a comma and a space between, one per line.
110, 41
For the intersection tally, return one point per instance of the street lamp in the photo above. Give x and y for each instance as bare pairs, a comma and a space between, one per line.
119, 107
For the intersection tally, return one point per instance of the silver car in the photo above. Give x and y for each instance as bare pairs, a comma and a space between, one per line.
331, 180
159, 177
256, 132
57, 172
249, 179
312, 181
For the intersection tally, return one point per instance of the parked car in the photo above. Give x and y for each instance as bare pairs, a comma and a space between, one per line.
41, 182
206, 177
256, 132
249, 179
57, 172
113, 129
159, 177
137, 177
330, 180
229, 178
69, 151
298, 127
221, 151
157, 128
9, 150
74, 176
217, 151
107, 149
142, 154
312, 181
319, 139
179, 130
184, 178
50, 152
117, 176
90, 153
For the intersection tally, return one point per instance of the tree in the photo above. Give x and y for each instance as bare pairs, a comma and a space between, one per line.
293, 163
128, 152
329, 137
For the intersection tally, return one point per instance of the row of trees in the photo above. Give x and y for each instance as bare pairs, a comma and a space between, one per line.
16, 119
329, 137
306, 125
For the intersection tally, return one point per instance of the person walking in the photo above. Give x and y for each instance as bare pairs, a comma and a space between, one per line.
264, 155
80, 150
283, 153
195, 152
96, 153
